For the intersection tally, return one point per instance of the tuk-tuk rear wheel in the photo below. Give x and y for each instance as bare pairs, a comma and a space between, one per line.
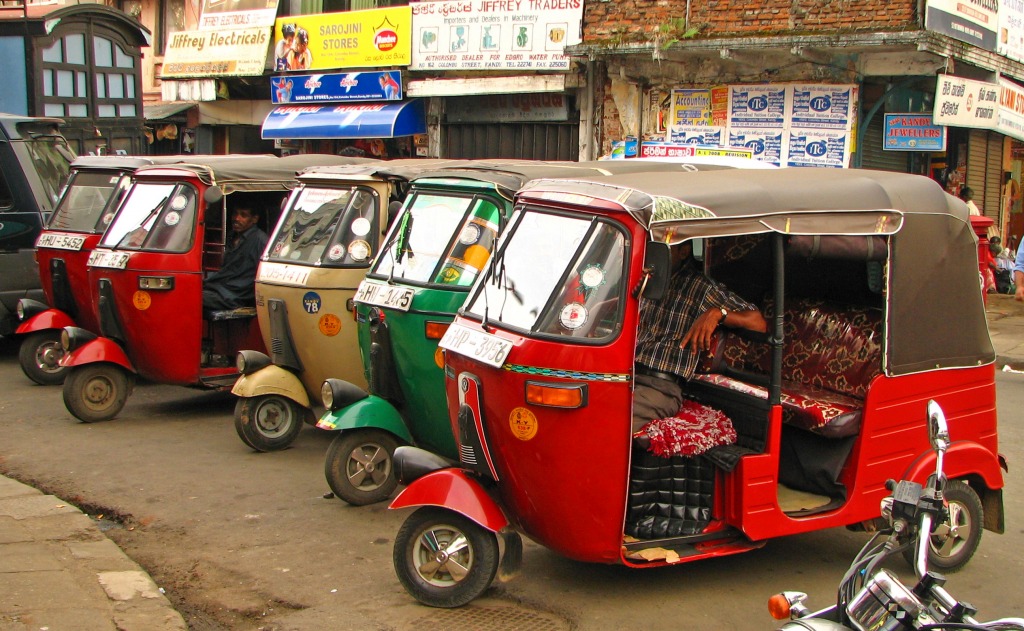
39, 355
444, 559
268, 422
96, 392
954, 542
360, 466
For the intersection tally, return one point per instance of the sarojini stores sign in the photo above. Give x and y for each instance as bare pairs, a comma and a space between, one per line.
963, 102
238, 52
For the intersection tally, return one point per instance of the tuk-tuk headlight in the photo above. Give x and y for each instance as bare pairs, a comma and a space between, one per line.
248, 362
338, 394
73, 337
327, 394
27, 308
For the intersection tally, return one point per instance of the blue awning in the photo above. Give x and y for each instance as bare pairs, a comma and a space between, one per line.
346, 120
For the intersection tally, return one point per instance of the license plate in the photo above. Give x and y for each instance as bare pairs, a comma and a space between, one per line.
109, 258
60, 241
475, 344
283, 273
381, 295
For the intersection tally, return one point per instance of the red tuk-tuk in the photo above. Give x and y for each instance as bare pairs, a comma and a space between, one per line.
146, 280
93, 191
809, 420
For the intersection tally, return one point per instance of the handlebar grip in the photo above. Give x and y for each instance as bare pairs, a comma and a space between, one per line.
890, 485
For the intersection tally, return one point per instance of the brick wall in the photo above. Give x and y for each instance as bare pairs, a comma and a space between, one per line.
633, 21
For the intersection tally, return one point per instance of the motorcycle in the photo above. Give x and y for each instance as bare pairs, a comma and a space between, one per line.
872, 597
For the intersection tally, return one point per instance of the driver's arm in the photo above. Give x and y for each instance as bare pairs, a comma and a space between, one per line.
703, 330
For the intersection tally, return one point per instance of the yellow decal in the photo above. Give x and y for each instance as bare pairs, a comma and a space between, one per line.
142, 300
523, 423
439, 357
330, 324
450, 275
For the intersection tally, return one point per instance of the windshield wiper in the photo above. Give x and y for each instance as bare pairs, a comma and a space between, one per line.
148, 218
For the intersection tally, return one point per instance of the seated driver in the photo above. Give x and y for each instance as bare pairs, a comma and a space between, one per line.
234, 284
673, 331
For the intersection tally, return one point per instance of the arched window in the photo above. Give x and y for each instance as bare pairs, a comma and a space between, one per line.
89, 76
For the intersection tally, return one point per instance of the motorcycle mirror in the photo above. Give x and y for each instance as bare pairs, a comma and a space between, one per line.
938, 429
657, 270
213, 195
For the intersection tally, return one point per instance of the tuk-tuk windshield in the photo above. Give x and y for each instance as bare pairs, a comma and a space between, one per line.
555, 275
87, 195
52, 157
332, 227
441, 240
154, 216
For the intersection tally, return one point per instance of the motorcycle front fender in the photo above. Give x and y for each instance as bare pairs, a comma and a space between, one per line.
98, 350
272, 380
455, 490
372, 411
49, 319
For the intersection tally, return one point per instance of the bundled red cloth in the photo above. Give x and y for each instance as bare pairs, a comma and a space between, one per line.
694, 429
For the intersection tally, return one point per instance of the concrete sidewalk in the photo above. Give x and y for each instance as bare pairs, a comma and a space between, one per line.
59, 572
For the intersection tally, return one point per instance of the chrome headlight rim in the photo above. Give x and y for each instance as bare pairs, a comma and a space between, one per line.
249, 361
73, 338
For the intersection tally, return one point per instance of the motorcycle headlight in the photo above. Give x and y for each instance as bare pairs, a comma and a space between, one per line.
327, 394
248, 362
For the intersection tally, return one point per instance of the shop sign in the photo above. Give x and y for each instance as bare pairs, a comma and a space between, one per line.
673, 150
338, 87
974, 22
495, 34
240, 52
221, 14
913, 132
347, 39
507, 108
1011, 109
963, 102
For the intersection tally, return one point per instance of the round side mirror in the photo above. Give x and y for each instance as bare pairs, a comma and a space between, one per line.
213, 195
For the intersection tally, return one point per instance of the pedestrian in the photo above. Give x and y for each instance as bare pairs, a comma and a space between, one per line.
673, 331
967, 194
234, 284
1011, 193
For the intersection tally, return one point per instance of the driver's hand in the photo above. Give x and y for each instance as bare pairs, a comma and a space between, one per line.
699, 337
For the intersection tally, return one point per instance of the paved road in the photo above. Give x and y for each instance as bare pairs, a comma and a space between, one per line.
248, 541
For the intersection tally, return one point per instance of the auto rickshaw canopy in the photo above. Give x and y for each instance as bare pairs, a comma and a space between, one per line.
935, 316
251, 172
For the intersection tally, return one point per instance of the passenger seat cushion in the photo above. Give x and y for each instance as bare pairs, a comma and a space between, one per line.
694, 429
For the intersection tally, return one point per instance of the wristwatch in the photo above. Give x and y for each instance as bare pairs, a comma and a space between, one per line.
724, 313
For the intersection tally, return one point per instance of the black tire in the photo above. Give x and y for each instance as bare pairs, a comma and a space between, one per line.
360, 466
97, 392
436, 572
955, 542
268, 422
38, 356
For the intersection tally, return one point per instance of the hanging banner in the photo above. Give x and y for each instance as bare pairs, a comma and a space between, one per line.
1011, 29
221, 14
913, 132
495, 34
230, 52
336, 88
347, 39
971, 21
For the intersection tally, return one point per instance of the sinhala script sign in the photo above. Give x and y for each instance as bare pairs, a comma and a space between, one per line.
494, 34
965, 103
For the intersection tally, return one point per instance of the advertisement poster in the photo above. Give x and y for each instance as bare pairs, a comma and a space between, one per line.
221, 14
818, 148
691, 107
672, 150
965, 103
698, 135
1011, 29
347, 39
762, 106
764, 144
328, 88
494, 34
913, 132
822, 106
222, 53
974, 22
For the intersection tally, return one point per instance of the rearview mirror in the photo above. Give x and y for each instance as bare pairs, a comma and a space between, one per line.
213, 195
938, 428
657, 270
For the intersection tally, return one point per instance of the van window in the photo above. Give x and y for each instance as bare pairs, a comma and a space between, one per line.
6, 199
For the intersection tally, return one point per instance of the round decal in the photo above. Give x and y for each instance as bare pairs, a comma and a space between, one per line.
179, 202
439, 357
523, 423
142, 300
278, 247
592, 276
172, 218
336, 252
107, 218
450, 275
361, 227
476, 256
573, 316
330, 324
470, 234
311, 302
359, 250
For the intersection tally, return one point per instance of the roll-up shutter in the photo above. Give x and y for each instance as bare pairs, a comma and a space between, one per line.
985, 170
874, 156
521, 141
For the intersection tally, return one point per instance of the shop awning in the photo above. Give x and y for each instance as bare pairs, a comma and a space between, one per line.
160, 111
346, 120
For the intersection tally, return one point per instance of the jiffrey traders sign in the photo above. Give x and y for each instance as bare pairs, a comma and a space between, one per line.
229, 52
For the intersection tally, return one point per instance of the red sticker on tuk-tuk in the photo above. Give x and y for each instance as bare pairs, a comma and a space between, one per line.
142, 300
330, 324
523, 423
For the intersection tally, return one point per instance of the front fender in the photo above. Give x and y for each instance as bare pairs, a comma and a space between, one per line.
963, 459
100, 349
455, 490
49, 319
372, 411
272, 380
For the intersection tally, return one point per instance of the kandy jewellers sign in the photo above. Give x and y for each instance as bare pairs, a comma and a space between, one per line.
229, 52
494, 34
913, 132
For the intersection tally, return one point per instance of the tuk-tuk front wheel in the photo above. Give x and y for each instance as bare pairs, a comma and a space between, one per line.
360, 466
96, 392
444, 559
39, 356
268, 422
954, 542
